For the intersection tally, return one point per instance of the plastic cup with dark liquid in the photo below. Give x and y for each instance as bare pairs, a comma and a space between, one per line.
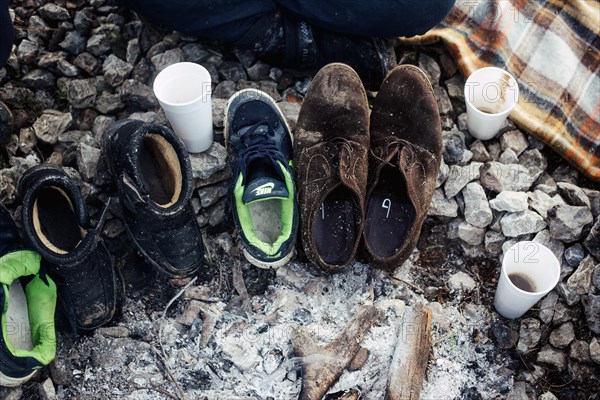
529, 271
491, 94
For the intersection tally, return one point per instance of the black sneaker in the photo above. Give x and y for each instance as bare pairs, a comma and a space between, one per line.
27, 306
6, 124
57, 225
153, 176
263, 191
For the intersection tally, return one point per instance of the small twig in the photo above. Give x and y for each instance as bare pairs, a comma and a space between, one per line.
178, 295
240, 286
163, 359
162, 355
209, 257
477, 276
39, 152
440, 299
433, 246
523, 361
412, 285
155, 389
443, 337
547, 327
553, 386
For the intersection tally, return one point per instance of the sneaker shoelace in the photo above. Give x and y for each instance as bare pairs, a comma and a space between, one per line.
259, 146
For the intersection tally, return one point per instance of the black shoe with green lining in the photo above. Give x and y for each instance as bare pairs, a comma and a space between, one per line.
27, 307
263, 191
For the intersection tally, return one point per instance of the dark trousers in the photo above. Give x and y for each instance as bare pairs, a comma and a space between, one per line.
7, 35
229, 20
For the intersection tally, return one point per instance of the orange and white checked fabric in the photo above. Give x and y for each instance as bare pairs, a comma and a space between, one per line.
552, 47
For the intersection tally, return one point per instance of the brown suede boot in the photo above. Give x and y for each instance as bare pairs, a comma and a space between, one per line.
331, 153
406, 150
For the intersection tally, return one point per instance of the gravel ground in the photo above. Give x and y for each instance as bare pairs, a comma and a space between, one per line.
78, 66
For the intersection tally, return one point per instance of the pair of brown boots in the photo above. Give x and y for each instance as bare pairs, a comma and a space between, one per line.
365, 178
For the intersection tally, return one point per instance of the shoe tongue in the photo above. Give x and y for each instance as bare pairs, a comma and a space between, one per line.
264, 188
259, 130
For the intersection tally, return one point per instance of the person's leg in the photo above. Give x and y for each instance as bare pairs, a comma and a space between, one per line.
223, 20
377, 18
7, 35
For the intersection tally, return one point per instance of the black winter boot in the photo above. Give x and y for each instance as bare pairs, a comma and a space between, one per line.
57, 225
154, 181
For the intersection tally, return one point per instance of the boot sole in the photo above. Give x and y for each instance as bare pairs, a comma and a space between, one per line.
13, 382
269, 265
260, 95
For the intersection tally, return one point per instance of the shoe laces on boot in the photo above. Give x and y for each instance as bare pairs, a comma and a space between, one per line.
414, 157
344, 152
393, 145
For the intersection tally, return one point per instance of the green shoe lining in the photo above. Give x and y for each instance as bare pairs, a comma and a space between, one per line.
287, 216
41, 304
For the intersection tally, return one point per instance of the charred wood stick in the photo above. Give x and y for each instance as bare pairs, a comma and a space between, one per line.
323, 365
409, 363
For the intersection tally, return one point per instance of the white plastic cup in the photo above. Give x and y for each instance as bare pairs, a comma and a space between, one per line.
538, 264
183, 91
491, 94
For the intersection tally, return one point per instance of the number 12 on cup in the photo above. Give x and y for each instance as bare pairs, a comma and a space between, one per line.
526, 254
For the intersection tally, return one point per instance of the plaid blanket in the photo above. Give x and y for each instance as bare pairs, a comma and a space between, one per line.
552, 48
